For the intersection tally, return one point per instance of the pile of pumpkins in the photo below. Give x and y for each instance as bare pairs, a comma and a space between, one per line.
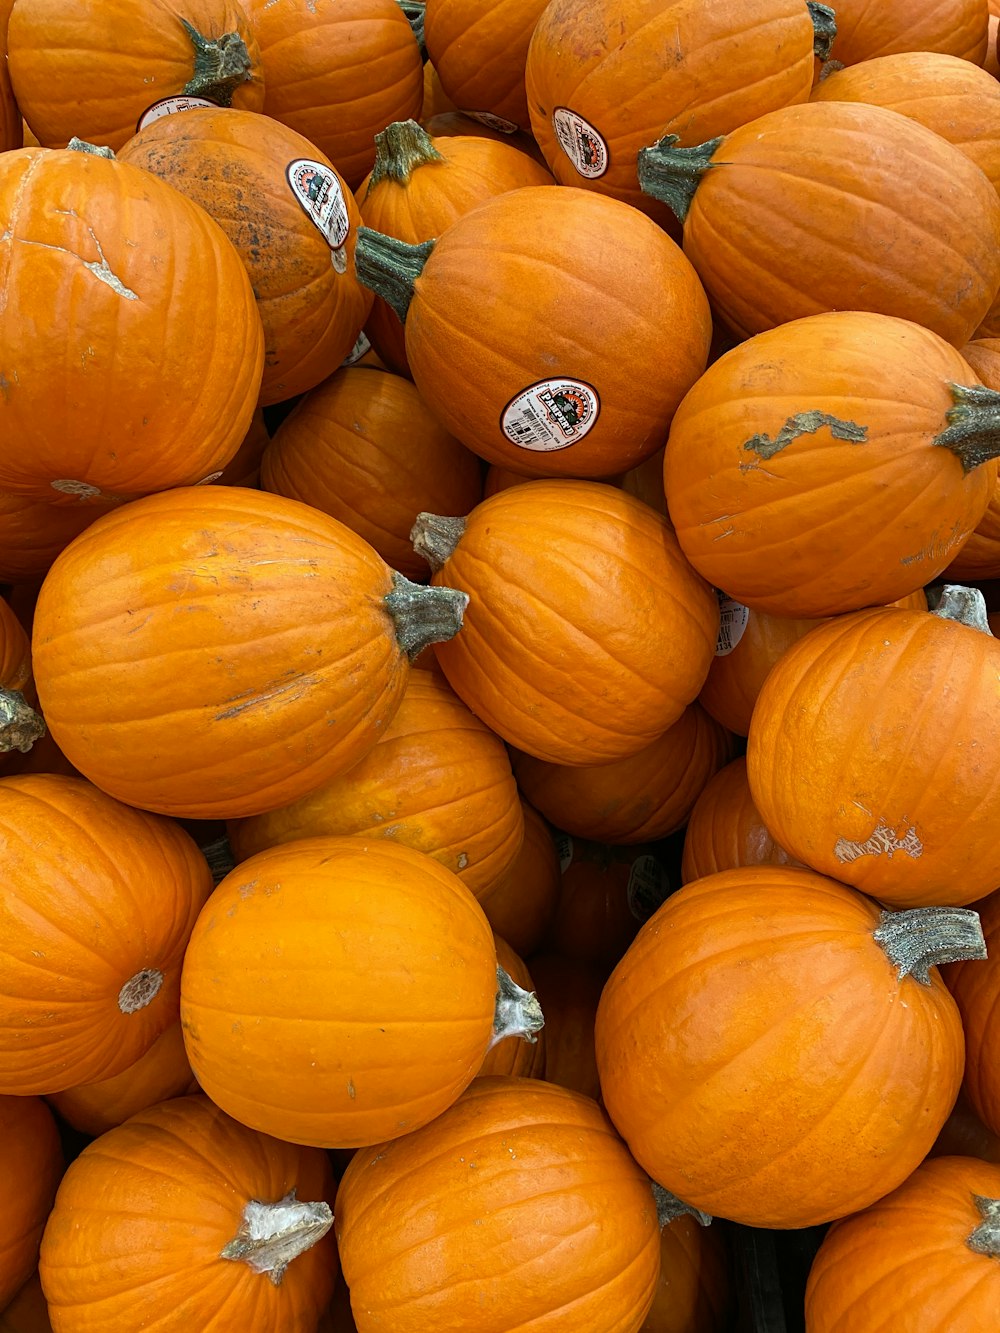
500, 531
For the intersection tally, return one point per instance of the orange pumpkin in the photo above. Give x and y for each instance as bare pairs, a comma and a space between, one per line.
514, 1056
243, 469
436, 101
516, 1166
695, 1293
519, 904
604, 895
977, 995
338, 72
31, 1161
438, 780
258, 626
587, 634
11, 124
33, 532
98, 905
92, 69
725, 830
365, 448
776, 1051
965, 1135
183, 1217
863, 31
133, 382
979, 557
290, 217
20, 725
337, 992
571, 990
28, 1311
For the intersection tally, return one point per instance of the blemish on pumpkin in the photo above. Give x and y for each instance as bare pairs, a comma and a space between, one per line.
802, 423
287, 691
883, 841
351, 1090
463, 861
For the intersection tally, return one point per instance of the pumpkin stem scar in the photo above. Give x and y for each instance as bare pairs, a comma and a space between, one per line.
271, 1235
986, 1237
435, 537
965, 605
20, 725
924, 937
824, 21
390, 267
973, 431
669, 1208
414, 11
140, 990
424, 615
802, 423
399, 149
517, 1012
76, 145
220, 65
672, 174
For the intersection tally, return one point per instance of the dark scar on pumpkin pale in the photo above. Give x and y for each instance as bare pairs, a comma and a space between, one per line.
803, 423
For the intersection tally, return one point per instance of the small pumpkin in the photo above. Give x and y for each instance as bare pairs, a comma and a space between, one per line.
865, 31
977, 995
726, 831
32, 1162
519, 905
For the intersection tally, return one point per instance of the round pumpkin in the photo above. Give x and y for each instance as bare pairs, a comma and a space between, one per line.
337, 992
604, 894
977, 995
864, 31
31, 1161
777, 1051
236, 651
520, 903
515, 1056
725, 830
183, 1217
463, 1224
587, 633
95, 913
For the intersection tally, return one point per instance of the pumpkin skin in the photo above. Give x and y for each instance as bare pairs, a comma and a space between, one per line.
338, 72
864, 770
237, 166
92, 69
397, 1015
621, 307
27, 1312
32, 1162
907, 1258
514, 1056
133, 383
791, 435
143, 1214
572, 990
978, 998
33, 532
438, 780
725, 830
286, 652
94, 926
557, 670
695, 1293
11, 124
601, 903
979, 557
365, 448
865, 31
709, 1108
547, 1165
965, 1135
519, 905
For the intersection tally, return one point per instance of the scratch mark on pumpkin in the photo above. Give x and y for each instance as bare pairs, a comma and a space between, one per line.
802, 423
9, 234
287, 690
883, 840
351, 1090
100, 267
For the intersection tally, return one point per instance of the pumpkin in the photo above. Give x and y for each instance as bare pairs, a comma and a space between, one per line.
865, 768
436, 101
183, 1217
32, 1162
520, 903
464, 1223
641, 798
978, 998
28, 1311
965, 1135
587, 634
290, 217
338, 72
337, 992
833, 206
11, 124
979, 556
725, 830
438, 780
604, 895
695, 1293
864, 31
132, 383
92, 69
365, 448
33, 532
837, 462
160, 1073
572, 991
272, 641
95, 914
928, 1250
620, 304
243, 469
514, 1056
420, 185
20, 725
776, 1050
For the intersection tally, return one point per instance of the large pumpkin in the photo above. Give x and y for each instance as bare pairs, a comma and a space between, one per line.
31, 1161
777, 1051
236, 650
978, 997
863, 30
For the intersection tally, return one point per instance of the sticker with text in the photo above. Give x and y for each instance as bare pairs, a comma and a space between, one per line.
170, 106
492, 122
551, 414
733, 619
564, 850
581, 142
648, 887
361, 348
318, 190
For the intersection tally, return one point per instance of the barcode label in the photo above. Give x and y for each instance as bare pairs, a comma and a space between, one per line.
733, 618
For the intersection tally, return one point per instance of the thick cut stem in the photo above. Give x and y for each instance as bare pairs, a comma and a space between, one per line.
966, 605
986, 1237
20, 725
271, 1235
424, 615
434, 536
220, 65
140, 990
76, 145
399, 149
824, 28
414, 11
672, 174
517, 1012
669, 1207
924, 937
973, 431
390, 267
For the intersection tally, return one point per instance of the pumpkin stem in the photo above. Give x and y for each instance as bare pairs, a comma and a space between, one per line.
414, 11
973, 433
824, 28
435, 537
220, 65
140, 990
830, 67
390, 267
424, 615
986, 1237
220, 858
916, 940
271, 1235
967, 606
517, 1012
672, 174
399, 149
669, 1207
20, 725
76, 145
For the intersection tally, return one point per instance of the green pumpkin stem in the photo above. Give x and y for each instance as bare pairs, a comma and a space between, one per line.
76, 145
221, 65
973, 431
824, 28
390, 267
399, 149
424, 615
20, 725
414, 11
517, 1012
916, 940
672, 174
669, 1208
435, 537
967, 606
271, 1235
986, 1237
220, 858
